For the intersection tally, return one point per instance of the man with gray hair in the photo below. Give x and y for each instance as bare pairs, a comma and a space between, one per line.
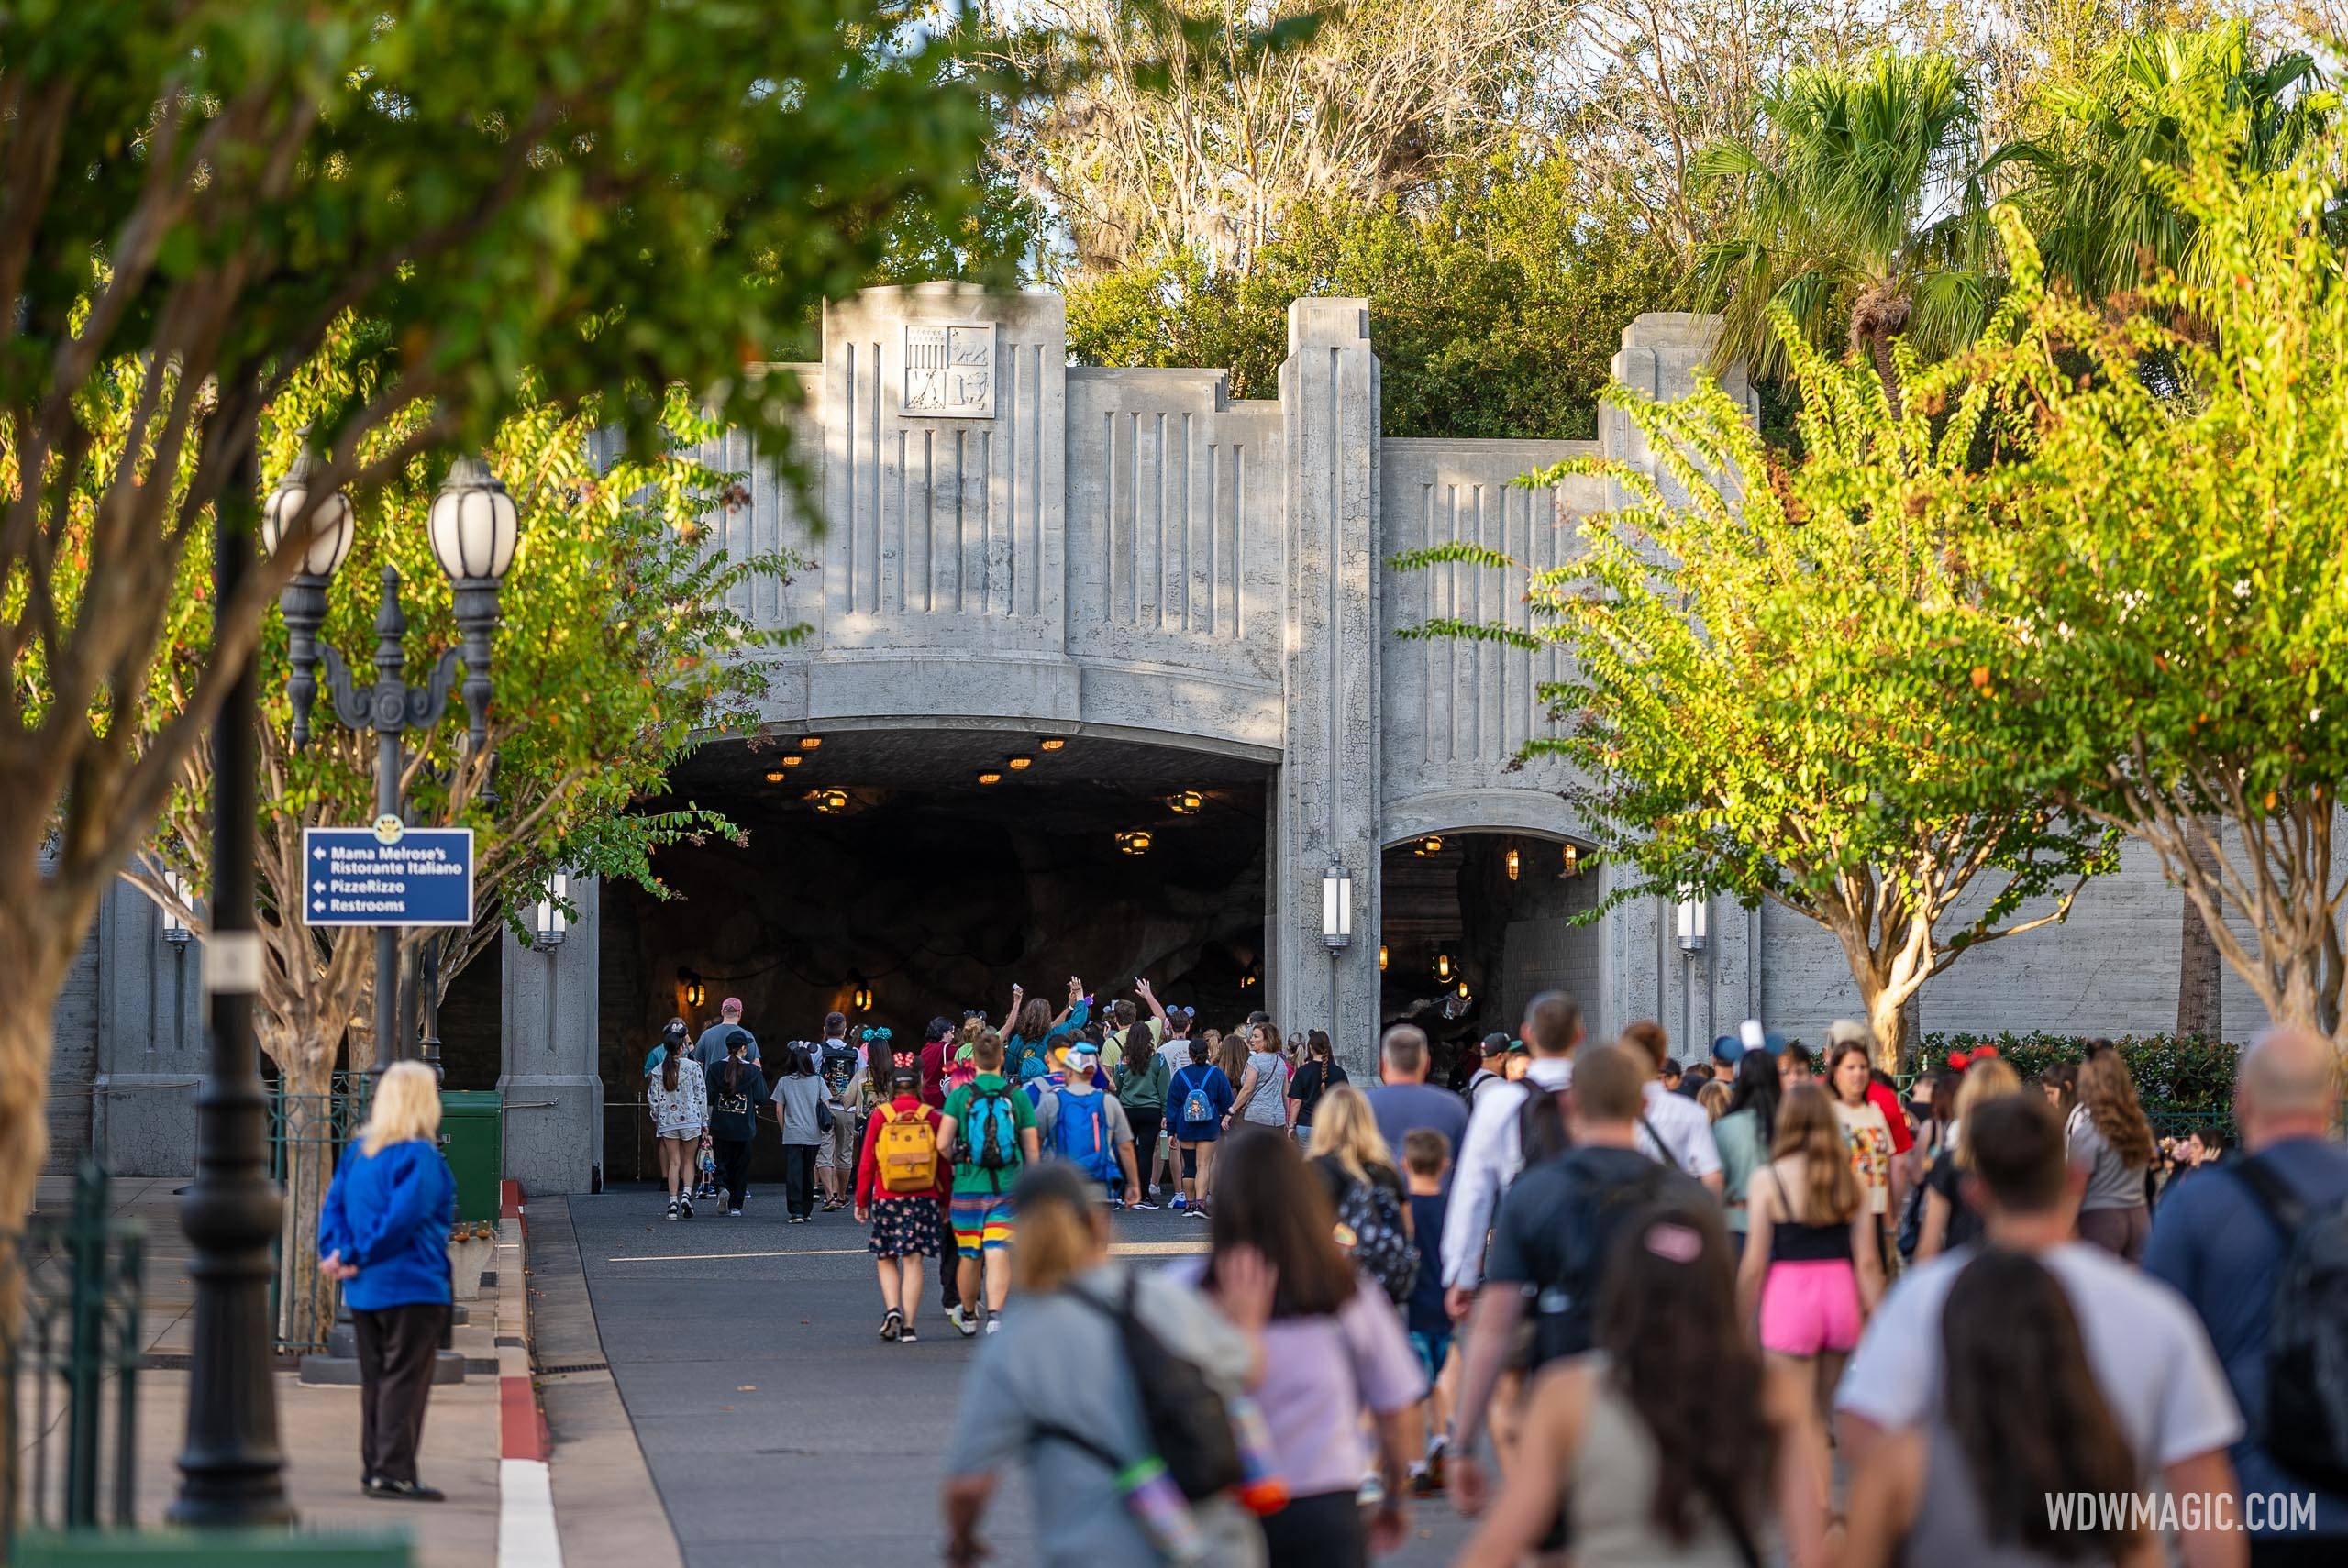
1404, 1101
2222, 1238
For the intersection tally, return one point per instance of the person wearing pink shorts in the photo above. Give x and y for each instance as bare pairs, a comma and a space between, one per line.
1810, 1272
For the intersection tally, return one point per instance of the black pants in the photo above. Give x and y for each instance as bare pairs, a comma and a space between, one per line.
1146, 1126
733, 1169
395, 1350
949, 1276
1320, 1532
799, 1177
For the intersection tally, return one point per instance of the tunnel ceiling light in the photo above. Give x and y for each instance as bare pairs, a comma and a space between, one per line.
1182, 803
1515, 863
1431, 845
809, 743
1337, 908
1572, 859
1442, 965
1463, 990
1050, 743
793, 760
831, 803
990, 775
1019, 764
1381, 958
859, 991
775, 776
688, 985
1134, 841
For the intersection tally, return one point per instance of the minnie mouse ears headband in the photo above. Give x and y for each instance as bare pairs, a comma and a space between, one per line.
870, 1035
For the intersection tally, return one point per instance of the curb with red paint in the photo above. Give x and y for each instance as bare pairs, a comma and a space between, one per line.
527, 1537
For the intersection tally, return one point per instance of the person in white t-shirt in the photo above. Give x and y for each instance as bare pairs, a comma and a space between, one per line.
2149, 1353
1673, 1129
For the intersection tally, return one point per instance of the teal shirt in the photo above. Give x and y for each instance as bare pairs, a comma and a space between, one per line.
1024, 1058
1738, 1138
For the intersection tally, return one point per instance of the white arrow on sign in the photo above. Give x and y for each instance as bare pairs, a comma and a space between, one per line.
317, 887
318, 854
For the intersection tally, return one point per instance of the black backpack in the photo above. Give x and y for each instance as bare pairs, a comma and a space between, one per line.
1592, 1214
1543, 1131
2306, 1426
1187, 1420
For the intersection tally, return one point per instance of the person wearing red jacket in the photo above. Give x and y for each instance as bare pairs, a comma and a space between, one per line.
937, 1043
904, 1221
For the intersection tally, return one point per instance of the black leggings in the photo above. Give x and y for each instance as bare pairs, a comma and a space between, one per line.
1145, 1125
733, 1169
799, 1177
1320, 1532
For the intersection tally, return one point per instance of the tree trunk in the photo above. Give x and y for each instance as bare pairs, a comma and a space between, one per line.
1888, 1021
2200, 979
306, 1298
35, 970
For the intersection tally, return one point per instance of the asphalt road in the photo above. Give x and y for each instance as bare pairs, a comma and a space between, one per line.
779, 1426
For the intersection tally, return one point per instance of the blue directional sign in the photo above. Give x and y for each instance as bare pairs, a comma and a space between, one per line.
388, 875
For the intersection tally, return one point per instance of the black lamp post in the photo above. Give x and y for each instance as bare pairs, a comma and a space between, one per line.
473, 528
231, 1470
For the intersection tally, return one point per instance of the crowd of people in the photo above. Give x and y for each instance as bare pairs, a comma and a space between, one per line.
1760, 1307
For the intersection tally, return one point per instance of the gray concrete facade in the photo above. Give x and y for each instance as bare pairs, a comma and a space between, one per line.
1022, 546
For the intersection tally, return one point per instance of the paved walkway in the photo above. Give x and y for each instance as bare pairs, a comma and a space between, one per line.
775, 1424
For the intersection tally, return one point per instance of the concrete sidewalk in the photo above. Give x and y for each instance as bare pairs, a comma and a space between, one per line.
317, 1426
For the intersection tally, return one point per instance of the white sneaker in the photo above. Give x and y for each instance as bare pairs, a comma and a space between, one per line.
964, 1324
994, 1325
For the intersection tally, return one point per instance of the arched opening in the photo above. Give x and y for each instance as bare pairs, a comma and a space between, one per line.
1475, 924
894, 875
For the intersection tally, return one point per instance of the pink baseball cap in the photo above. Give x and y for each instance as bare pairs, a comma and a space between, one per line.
731, 1004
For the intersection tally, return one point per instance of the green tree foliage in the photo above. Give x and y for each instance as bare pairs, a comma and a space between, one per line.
1497, 313
2096, 188
2155, 634
622, 646
591, 200
1857, 212
1727, 737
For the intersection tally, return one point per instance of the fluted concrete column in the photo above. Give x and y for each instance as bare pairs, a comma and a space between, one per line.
150, 1041
1327, 806
551, 1083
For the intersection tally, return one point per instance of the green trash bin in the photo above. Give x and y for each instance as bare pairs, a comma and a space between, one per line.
472, 1136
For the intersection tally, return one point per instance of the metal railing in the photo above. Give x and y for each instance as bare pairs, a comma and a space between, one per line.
71, 1369
308, 1133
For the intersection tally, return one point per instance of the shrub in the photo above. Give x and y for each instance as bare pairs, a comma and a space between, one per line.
2185, 1081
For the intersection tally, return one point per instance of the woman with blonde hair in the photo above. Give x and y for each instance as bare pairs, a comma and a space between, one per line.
1067, 1335
383, 1233
1373, 1208
2113, 1141
1950, 1220
1811, 1273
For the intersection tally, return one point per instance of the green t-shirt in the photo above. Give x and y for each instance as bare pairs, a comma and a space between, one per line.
969, 1177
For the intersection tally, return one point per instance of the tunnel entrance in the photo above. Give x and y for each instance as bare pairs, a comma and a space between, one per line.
898, 875
1473, 925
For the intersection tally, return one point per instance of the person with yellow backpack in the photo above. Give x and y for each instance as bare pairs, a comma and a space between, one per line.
899, 1183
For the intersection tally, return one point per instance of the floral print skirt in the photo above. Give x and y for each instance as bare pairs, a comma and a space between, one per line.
904, 1228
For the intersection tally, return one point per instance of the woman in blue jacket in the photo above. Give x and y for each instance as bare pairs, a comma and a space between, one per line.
385, 1233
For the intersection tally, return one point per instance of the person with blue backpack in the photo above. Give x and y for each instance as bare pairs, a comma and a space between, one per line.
989, 1132
1196, 1103
1086, 1127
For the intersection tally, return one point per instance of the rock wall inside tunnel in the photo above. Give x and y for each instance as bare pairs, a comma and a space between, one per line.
931, 904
